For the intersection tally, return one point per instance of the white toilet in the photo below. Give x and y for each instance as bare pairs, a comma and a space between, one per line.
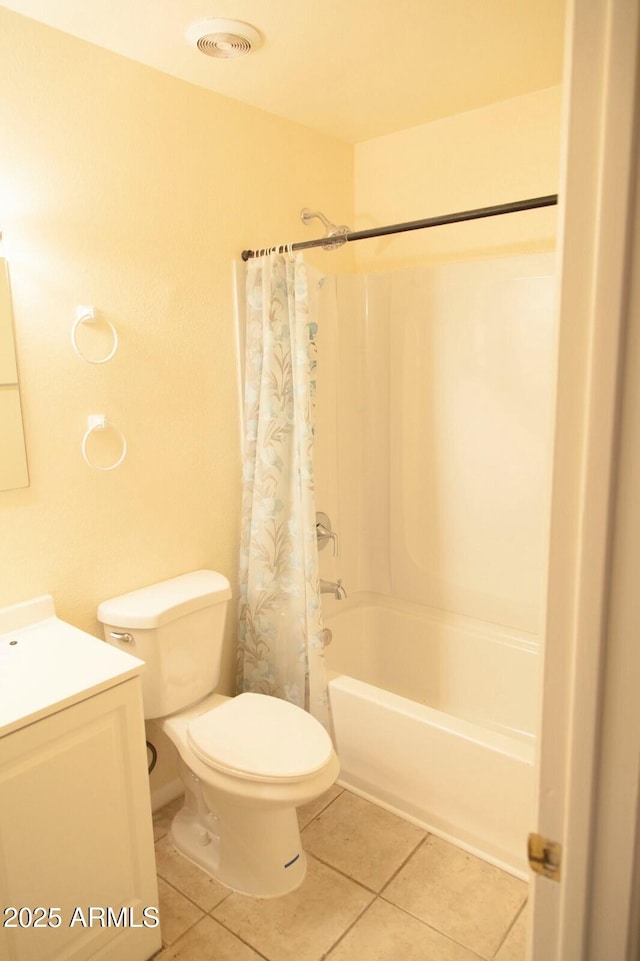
246, 762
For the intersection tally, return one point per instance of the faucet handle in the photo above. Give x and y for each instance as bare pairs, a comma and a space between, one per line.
332, 536
325, 533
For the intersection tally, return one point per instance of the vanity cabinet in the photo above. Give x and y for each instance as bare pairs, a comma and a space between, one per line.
77, 867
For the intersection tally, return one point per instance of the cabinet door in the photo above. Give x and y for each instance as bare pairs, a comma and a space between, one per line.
76, 839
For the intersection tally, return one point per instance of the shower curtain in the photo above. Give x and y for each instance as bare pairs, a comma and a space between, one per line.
280, 620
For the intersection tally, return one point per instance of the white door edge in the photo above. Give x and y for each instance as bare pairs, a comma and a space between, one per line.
595, 195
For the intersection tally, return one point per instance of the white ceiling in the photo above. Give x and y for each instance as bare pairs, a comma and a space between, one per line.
354, 69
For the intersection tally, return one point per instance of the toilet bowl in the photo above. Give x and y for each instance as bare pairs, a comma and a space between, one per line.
246, 762
239, 821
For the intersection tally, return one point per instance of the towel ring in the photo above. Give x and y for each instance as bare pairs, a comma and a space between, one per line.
99, 422
88, 315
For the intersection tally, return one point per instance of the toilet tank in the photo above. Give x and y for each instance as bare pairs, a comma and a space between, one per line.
176, 627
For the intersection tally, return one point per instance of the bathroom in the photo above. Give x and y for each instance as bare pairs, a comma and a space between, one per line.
131, 190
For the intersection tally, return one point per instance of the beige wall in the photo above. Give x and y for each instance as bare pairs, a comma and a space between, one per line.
504, 152
132, 191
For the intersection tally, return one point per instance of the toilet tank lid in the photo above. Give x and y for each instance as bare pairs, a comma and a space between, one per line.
161, 603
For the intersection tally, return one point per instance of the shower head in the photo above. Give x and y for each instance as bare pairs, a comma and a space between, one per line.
333, 230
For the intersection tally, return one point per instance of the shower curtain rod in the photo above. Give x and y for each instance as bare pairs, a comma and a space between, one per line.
329, 243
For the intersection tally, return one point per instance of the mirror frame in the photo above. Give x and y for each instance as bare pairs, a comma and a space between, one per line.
14, 472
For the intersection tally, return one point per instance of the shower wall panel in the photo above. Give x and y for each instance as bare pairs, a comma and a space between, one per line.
442, 424
340, 414
470, 370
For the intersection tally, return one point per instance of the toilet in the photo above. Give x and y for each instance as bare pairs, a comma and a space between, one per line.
246, 762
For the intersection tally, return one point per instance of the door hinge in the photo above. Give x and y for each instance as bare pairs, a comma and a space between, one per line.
545, 856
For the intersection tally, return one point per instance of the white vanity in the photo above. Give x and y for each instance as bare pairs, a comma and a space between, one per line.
77, 868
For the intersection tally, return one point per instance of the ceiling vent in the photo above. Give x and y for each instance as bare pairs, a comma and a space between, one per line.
224, 39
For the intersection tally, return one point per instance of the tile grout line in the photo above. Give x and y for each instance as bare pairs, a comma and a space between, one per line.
404, 863
165, 947
349, 928
179, 891
432, 927
205, 914
322, 811
518, 913
343, 874
350, 877
237, 936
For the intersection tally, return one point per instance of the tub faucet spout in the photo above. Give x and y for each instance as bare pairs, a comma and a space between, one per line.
333, 587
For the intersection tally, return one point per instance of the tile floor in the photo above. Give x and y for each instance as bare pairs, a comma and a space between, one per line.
377, 889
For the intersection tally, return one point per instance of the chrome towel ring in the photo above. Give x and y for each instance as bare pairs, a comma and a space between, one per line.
87, 315
98, 422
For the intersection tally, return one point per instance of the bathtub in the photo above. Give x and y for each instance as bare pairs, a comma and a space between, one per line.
434, 720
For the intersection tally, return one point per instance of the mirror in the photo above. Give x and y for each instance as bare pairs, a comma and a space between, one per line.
13, 459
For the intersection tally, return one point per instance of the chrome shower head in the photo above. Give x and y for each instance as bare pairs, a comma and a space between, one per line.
334, 231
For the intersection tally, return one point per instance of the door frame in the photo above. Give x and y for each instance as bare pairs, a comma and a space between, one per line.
595, 218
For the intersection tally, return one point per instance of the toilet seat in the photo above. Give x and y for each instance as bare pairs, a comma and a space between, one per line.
258, 737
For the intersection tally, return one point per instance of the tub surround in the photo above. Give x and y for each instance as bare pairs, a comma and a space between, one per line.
434, 443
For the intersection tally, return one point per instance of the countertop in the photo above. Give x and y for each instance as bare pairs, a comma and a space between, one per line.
47, 665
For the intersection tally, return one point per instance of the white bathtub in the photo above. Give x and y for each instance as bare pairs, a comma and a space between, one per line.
434, 719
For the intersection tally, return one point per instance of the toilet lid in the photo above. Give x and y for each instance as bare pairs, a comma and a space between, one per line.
254, 735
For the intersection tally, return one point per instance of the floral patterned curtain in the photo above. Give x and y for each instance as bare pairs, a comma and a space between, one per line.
280, 619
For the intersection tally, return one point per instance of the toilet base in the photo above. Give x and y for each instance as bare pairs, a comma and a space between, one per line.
250, 850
